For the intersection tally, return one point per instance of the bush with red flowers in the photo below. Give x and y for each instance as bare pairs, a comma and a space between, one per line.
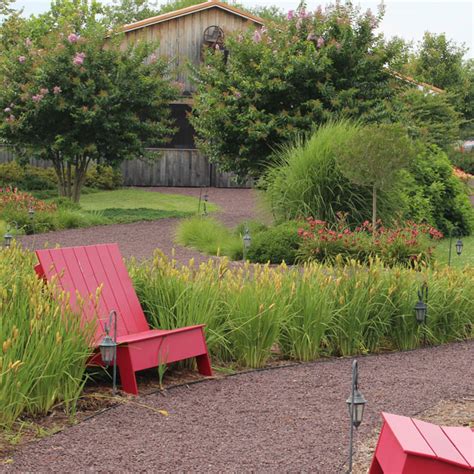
407, 244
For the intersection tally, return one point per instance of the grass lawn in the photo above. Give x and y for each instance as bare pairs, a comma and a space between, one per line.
131, 205
465, 259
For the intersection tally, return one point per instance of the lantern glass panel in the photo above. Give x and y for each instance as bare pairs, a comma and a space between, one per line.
107, 350
459, 246
420, 311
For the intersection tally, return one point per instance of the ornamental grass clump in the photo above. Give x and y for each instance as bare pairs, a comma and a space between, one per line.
43, 346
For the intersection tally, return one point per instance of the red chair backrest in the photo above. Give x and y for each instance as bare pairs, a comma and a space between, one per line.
80, 271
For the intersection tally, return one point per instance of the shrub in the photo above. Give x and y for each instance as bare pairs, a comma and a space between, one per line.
276, 244
407, 245
434, 187
104, 177
306, 180
44, 348
33, 178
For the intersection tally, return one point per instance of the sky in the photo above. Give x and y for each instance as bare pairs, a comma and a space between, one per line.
405, 18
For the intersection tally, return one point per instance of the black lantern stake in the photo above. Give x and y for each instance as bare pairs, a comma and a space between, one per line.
459, 246
247, 242
108, 348
356, 404
206, 198
7, 239
31, 213
421, 308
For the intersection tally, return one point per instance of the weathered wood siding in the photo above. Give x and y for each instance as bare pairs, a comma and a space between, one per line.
171, 167
180, 39
177, 167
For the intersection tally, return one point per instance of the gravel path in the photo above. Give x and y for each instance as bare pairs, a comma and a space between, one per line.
285, 420
140, 239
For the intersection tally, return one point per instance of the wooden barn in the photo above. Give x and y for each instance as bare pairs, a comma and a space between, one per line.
183, 35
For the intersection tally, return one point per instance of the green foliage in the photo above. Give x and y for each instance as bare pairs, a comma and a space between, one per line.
32, 178
374, 156
73, 96
434, 193
307, 312
280, 81
44, 347
466, 259
276, 245
122, 12
429, 117
306, 181
210, 236
463, 160
410, 244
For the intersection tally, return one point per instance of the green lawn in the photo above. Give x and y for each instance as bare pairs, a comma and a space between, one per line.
137, 198
131, 205
465, 259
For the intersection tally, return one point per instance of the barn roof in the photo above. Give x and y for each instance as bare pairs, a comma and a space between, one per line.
189, 11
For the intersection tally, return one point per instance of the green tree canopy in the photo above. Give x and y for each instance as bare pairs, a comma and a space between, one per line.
72, 97
281, 80
374, 156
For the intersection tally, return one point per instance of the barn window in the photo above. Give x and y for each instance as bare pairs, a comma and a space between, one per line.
184, 136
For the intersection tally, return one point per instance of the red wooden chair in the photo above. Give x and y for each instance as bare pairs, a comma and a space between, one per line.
80, 271
411, 446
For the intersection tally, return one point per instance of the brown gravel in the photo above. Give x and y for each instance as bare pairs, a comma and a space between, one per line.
285, 420
140, 239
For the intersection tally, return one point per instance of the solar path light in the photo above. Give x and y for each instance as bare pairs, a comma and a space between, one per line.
108, 348
356, 404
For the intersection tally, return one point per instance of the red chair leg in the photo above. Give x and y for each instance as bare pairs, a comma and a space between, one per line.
204, 364
127, 374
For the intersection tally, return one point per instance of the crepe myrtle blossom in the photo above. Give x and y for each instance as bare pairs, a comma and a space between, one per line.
10, 119
37, 98
257, 37
56, 90
371, 18
28, 43
21, 59
304, 14
290, 15
320, 42
73, 38
7, 110
311, 37
79, 59
44, 91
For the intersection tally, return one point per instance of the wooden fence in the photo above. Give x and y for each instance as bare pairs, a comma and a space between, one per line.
170, 167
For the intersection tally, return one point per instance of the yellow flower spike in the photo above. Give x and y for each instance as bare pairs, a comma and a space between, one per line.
16, 365
1, 363
58, 338
6, 345
15, 332
261, 307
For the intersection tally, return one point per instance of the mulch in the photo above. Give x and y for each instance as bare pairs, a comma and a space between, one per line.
291, 419
140, 239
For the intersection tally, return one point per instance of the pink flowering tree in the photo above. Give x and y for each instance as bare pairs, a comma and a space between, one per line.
283, 79
74, 97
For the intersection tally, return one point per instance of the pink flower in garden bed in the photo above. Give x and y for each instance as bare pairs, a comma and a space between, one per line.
21, 59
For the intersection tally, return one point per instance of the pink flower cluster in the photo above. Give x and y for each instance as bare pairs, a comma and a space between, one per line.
79, 59
73, 38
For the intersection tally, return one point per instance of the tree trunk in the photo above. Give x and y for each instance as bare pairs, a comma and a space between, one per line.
81, 165
374, 209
